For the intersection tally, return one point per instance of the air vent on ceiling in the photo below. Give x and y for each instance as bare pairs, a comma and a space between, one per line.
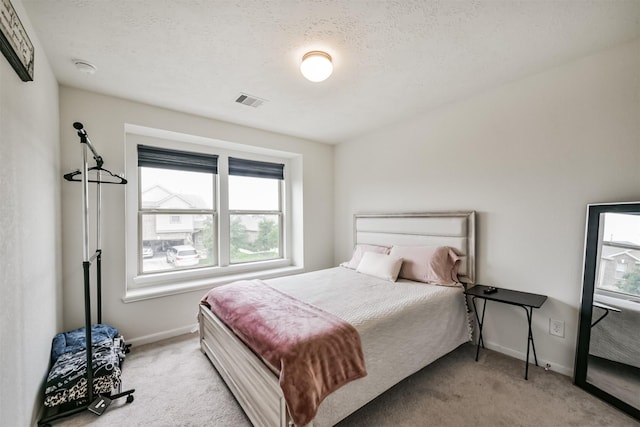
250, 100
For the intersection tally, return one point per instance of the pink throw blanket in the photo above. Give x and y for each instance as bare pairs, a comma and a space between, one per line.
316, 352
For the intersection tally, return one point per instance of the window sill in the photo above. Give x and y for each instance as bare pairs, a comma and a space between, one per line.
628, 302
164, 290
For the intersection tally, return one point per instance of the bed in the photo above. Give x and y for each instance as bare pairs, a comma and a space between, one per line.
403, 325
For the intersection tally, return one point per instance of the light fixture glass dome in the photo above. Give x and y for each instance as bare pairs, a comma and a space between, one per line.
316, 66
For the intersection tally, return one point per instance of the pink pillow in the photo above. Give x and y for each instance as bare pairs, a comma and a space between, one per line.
360, 250
429, 264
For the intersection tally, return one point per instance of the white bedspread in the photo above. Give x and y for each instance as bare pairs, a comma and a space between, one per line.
404, 326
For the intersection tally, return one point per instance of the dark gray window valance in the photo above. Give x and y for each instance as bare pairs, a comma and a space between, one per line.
164, 158
253, 168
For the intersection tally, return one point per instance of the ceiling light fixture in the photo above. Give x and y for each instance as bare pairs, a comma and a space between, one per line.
84, 66
316, 66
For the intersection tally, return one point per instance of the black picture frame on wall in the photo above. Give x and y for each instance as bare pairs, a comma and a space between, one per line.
15, 43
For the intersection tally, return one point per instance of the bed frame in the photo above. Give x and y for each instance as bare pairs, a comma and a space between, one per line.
254, 385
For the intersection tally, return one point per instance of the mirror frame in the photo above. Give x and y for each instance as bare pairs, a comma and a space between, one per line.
588, 286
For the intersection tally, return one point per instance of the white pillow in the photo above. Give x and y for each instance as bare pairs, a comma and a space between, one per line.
361, 249
380, 265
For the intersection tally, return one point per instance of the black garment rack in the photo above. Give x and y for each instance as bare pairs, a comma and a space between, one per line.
103, 176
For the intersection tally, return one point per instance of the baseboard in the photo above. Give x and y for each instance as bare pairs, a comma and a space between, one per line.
564, 370
151, 338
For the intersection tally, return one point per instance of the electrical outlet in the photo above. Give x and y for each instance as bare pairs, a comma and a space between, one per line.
556, 327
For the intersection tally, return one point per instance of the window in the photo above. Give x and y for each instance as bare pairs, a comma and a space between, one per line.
255, 210
618, 269
176, 209
621, 269
198, 213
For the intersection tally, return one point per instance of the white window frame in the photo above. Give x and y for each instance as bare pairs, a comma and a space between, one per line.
150, 285
279, 213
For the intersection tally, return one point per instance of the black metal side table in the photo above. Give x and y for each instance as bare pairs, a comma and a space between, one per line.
606, 308
525, 300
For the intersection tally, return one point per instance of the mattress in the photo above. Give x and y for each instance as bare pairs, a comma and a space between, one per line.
404, 326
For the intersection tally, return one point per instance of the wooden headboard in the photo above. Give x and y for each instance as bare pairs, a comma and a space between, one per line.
454, 229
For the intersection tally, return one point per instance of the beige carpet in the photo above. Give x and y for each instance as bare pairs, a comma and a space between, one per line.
176, 385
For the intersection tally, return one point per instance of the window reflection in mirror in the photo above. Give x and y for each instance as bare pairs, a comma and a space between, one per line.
619, 260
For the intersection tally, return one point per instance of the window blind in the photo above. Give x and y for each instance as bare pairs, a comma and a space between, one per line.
256, 169
164, 158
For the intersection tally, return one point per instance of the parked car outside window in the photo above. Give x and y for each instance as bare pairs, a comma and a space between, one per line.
182, 256
147, 252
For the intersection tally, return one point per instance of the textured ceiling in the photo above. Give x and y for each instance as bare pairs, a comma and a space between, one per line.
392, 59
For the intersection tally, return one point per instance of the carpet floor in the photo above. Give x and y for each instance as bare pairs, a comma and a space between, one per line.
176, 385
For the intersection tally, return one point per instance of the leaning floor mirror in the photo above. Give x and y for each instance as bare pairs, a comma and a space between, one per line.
608, 349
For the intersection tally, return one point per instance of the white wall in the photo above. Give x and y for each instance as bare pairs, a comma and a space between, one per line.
528, 157
30, 268
104, 118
